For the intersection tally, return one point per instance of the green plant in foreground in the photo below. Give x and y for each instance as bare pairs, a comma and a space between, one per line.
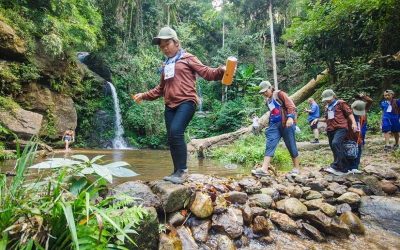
65, 209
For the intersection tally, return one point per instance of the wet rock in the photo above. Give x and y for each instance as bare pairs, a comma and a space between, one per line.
328, 209
349, 198
250, 185
173, 197
202, 205
224, 242
337, 188
318, 185
339, 229
236, 197
314, 204
373, 185
267, 181
258, 211
284, 222
318, 219
200, 229
247, 214
169, 242
294, 208
186, 238
342, 208
382, 211
280, 188
220, 204
280, 205
260, 200
358, 191
364, 188
271, 192
353, 222
382, 172
260, 225
327, 193
176, 219
230, 222
140, 193
314, 233
243, 241
305, 189
199, 178
295, 191
267, 239
311, 195
388, 187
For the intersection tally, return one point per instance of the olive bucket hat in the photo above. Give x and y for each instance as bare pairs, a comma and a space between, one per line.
358, 107
328, 95
165, 33
264, 85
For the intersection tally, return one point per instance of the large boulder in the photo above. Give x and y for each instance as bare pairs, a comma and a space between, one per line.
140, 193
12, 47
23, 123
173, 197
58, 109
382, 211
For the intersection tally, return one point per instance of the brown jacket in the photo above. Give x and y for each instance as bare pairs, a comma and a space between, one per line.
342, 113
182, 87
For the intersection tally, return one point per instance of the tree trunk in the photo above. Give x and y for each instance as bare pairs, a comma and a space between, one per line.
199, 145
271, 25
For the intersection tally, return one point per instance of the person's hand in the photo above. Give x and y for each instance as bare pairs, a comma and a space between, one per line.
314, 121
289, 122
138, 97
354, 127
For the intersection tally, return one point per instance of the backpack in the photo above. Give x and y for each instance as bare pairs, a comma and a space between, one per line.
276, 97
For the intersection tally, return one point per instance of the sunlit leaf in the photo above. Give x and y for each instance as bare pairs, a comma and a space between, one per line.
117, 164
122, 172
103, 172
55, 163
80, 157
96, 158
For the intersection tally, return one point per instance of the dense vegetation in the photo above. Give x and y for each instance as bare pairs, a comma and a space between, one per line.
350, 38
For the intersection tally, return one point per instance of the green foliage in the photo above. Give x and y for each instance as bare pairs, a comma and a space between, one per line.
249, 151
63, 210
52, 44
8, 103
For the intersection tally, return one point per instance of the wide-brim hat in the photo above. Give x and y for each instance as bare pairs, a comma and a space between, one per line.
165, 33
358, 107
328, 95
264, 85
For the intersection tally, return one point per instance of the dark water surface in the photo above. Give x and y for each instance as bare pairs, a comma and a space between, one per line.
149, 164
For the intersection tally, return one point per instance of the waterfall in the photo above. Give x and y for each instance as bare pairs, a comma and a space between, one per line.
118, 142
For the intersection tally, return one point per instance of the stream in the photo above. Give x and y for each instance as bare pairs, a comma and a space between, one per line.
149, 164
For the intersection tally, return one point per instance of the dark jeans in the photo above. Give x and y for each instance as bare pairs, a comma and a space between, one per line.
354, 164
336, 139
176, 121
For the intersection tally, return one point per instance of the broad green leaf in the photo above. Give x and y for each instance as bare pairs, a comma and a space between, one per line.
81, 157
122, 172
78, 185
103, 172
117, 164
87, 170
96, 158
55, 163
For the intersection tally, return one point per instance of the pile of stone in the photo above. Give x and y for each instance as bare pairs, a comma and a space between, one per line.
218, 213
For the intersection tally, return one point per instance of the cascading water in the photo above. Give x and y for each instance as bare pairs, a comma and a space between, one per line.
200, 113
118, 142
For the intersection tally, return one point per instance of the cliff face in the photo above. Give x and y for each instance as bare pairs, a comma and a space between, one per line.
27, 77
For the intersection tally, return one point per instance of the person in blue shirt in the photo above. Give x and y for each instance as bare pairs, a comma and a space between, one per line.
313, 113
390, 119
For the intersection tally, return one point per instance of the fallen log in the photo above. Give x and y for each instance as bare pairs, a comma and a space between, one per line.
199, 145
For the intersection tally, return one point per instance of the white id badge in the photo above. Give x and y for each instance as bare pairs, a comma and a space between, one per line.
331, 114
389, 109
271, 105
169, 71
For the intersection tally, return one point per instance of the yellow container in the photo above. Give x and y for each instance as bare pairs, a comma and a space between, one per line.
231, 63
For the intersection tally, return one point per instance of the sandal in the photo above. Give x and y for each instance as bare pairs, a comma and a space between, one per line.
259, 172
